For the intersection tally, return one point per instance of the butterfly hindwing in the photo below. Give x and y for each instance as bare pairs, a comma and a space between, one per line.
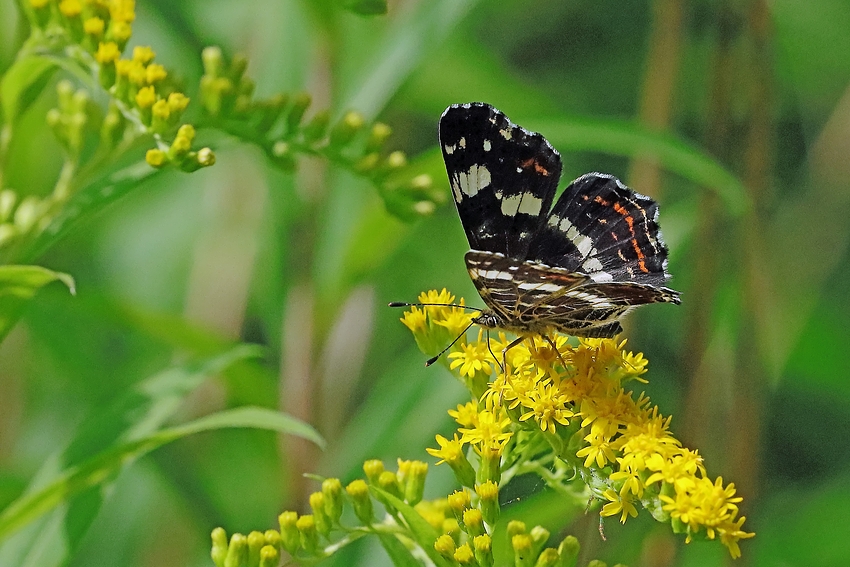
602, 228
503, 177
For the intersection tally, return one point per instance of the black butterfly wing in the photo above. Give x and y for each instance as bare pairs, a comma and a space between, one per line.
503, 177
601, 228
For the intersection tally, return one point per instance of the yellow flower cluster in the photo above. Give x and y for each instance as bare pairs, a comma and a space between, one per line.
573, 393
103, 28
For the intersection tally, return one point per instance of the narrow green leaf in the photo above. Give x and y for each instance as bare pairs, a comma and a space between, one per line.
133, 418
22, 83
86, 202
18, 285
424, 534
400, 555
106, 466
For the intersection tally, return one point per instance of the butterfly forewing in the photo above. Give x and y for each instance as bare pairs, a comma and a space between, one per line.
503, 177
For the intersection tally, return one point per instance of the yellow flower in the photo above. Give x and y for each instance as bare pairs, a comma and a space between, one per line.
472, 358
120, 31
466, 414
107, 52
731, 533
630, 478
178, 102
146, 97
155, 73
599, 448
547, 405
684, 464
94, 26
416, 320
450, 451
490, 431
618, 504
70, 8
122, 10
143, 54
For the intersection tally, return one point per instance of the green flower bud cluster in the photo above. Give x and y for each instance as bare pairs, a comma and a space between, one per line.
20, 218
285, 128
313, 536
340, 515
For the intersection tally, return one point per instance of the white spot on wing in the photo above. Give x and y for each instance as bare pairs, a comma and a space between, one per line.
487, 145
592, 264
492, 274
530, 205
601, 277
450, 149
462, 143
550, 287
584, 245
510, 205
472, 181
506, 133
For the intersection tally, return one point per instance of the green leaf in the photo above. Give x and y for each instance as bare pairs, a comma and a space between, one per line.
106, 465
400, 556
86, 202
70, 483
18, 284
22, 83
424, 534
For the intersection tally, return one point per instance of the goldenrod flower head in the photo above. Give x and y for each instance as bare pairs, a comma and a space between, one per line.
548, 405
466, 414
472, 358
155, 73
491, 430
178, 102
107, 52
124, 67
731, 533
159, 109
122, 10
156, 158
120, 31
445, 545
94, 26
464, 555
619, 504
143, 54
146, 97
70, 8
450, 451
416, 319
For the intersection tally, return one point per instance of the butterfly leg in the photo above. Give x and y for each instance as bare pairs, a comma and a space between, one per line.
555, 348
505, 350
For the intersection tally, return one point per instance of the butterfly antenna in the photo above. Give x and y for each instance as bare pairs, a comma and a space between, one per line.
404, 304
433, 359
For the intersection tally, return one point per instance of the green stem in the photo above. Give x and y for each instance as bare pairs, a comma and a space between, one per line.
5, 141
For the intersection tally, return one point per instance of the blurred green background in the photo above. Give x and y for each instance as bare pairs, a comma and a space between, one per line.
734, 115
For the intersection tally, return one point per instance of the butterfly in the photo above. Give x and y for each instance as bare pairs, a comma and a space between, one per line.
575, 265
